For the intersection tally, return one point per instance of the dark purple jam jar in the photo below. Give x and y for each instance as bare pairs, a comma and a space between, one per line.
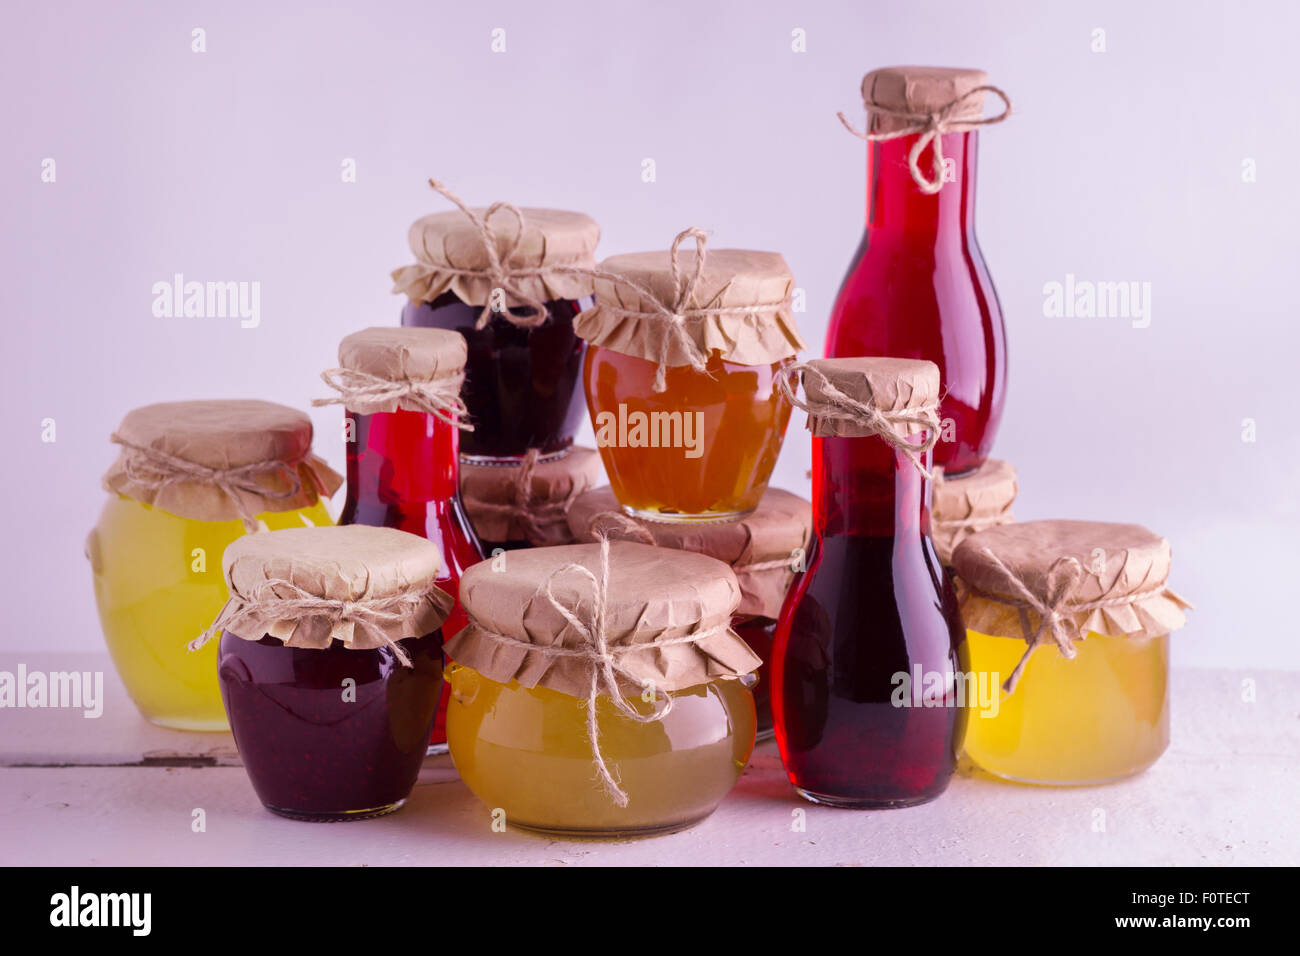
317, 748
521, 384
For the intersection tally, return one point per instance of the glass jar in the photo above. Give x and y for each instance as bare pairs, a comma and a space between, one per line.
155, 552
526, 751
658, 669
1078, 707
331, 699
711, 458
918, 286
873, 609
760, 634
1102, 716
314, 751
521, 382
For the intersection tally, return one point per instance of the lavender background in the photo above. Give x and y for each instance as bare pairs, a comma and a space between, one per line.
226, 165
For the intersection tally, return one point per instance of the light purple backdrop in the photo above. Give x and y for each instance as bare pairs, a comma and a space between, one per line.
1128, 164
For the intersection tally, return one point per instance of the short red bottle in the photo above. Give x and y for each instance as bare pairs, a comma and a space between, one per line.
918, 286
400, 388
873, 613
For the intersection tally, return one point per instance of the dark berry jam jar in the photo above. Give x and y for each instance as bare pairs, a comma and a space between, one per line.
330, 734
521, 383
330, 665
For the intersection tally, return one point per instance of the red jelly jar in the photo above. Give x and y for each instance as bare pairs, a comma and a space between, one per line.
870, 644
918, 286
404, 419
511, 282
330, 666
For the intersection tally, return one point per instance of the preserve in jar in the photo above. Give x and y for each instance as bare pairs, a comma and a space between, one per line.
599, 690
962, 506
1074, 618
918, 286
685, 348
191, 478
511, 281
330, 663
870, 652
763, 550
404, 418
525, 505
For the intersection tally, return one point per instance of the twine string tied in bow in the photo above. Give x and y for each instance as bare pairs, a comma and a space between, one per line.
439, 398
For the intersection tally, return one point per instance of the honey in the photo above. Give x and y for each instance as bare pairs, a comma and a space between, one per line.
525, 751
1101, 716
703, 448
158, 583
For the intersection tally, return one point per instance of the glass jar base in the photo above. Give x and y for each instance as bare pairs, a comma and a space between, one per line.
633, 833
677, 517
865, 803
1099, 781
513, 461
339, 816
191, 724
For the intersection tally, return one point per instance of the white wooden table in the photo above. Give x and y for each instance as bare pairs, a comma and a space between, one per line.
117, 790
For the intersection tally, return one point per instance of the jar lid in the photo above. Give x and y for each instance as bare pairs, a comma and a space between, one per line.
383, 369
219, 460
763, 549
1061, 580
896, 95
970, 503
525, 252
528, 501
675, 307
364, 587
666, 618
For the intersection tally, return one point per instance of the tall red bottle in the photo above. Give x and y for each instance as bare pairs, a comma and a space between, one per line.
400, 389
918, 286
870, 644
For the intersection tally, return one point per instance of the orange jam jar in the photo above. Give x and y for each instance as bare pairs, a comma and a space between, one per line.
685, 349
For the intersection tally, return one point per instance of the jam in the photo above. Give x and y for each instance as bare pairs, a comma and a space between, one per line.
334, 733
760, 633
521, 383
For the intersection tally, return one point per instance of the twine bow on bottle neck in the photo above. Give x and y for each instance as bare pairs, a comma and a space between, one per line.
499, 271
439, 398
839, 406
932, 126
157, 470
266, 602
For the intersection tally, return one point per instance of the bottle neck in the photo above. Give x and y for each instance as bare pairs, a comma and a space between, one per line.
863, 486
401, 457
897, 207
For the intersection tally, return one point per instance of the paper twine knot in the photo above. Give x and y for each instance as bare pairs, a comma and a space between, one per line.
931, 125
439, 398
839, 406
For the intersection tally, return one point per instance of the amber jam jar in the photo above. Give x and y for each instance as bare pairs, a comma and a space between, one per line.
330, 666
763, 550
918, 286
524, 358
192, 477
666, 679
525, 505
685, 348
1085, 700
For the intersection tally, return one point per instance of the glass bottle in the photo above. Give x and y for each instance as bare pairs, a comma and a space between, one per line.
873, 604
918, 287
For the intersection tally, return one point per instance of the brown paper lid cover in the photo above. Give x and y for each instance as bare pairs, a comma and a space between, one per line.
761, 549
511, 503
746, 293
360, 564
654, 596
450, 255
972, 502
922, 90
431, 358
176, 456
1122, 574
887, 384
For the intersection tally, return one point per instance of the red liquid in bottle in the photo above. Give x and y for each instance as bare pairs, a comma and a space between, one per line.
873, 604
918, 288
402, 473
